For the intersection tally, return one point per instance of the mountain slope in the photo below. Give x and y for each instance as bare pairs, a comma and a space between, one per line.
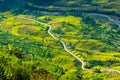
100, 6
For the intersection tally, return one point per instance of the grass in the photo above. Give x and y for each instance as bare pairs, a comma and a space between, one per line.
84, 46
32, 38
39, 46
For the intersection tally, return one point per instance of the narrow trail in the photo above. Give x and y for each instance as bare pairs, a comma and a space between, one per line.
63, 43
65, 48
111, 70
117, 22
73, 55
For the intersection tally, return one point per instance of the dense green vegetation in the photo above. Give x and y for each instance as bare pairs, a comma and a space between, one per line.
45, 60
29, 52
90, 38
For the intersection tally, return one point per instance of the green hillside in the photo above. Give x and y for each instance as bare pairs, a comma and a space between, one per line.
59, 40
110, 7
29, 44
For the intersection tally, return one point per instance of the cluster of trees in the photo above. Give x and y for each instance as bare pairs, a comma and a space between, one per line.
15, 67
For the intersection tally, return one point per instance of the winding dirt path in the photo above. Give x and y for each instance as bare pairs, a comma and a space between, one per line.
65, 48
117, 22
63, 43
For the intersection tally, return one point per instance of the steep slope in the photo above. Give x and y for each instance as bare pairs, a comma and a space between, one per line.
59, 39
99, 6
